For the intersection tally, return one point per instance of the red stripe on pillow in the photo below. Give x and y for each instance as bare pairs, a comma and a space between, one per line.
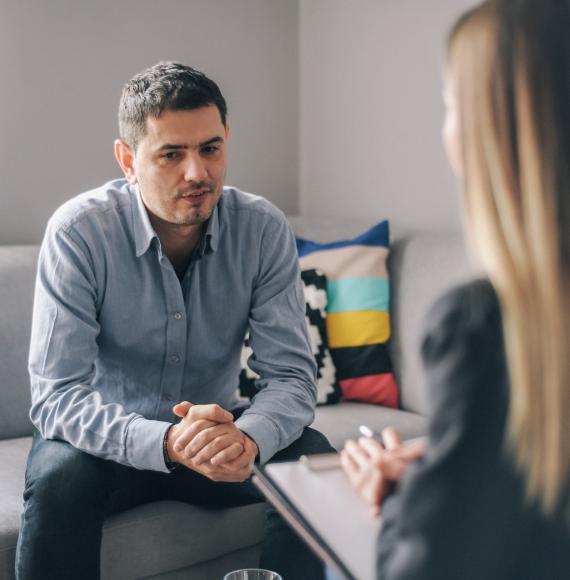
376, 389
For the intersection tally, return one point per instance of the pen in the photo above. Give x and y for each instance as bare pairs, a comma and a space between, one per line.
371, 434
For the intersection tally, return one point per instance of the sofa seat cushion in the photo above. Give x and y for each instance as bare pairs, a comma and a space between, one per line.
340, 422
147, 540
168, 535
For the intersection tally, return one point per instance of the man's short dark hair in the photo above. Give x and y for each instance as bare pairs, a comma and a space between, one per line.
164, 86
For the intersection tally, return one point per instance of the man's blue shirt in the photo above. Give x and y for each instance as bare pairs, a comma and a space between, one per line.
117, 338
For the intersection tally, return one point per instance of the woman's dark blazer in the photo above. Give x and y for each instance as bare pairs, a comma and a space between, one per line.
461, 513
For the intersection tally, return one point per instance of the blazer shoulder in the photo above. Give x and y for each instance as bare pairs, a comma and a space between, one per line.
470, 312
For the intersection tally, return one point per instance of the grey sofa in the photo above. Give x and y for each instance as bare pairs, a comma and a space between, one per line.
170, 540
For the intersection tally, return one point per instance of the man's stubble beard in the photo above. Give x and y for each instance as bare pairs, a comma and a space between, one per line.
201, 216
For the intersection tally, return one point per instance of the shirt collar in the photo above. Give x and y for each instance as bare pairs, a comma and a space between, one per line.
212, 233
143, 230
145, 234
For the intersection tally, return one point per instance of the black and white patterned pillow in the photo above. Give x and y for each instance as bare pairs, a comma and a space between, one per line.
328, 390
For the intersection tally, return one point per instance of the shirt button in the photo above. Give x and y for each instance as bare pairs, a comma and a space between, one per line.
178, 316
174, 358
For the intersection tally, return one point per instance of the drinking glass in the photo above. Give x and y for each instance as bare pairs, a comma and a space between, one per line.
252, 574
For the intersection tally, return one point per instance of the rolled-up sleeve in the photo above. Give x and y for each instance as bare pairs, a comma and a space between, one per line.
63, 352
282, 356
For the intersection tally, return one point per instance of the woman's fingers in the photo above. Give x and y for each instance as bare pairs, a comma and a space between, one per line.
395, 463
372, 447
373, 469
393, 468
349, 466
368, 480
413, 451
358, 453
391, 438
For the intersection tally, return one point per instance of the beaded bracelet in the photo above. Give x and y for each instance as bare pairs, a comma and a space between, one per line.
170, 465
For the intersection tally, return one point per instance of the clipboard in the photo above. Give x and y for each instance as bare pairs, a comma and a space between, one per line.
323, 508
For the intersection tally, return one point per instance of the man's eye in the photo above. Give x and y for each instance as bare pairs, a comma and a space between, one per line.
170, 155
210, 149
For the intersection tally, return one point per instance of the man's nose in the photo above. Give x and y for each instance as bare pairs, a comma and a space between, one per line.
195, 169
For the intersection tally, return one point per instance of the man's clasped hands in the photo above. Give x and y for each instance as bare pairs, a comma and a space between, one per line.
208, 441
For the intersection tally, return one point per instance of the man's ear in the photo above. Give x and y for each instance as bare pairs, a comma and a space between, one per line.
126, 159
227, 130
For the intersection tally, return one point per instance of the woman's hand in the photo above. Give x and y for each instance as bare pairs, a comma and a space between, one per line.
373, 469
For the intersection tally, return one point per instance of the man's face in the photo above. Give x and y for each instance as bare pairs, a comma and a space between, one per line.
180, 165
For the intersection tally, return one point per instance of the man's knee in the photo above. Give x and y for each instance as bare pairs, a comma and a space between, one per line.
310, 443
61, 479
314, 441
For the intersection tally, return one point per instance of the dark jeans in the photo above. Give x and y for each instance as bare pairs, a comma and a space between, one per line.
69, 493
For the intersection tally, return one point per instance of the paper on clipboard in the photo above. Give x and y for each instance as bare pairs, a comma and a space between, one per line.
328, 514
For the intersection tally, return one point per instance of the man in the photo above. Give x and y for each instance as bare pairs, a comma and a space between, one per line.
145, 289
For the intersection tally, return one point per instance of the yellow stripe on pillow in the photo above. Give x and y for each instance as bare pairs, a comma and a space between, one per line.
358, 328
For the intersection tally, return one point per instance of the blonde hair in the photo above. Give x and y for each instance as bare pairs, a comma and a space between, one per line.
510, 61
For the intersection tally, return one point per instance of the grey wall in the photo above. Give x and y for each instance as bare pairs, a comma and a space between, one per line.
371, 111
335, 106
64, 62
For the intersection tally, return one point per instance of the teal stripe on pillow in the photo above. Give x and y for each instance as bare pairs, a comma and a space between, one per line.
352, 294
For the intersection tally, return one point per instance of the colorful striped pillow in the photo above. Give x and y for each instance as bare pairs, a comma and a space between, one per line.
358, 313
328, 389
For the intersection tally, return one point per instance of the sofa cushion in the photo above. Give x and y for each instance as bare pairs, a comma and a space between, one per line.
167, 535
358, 317
328, 389
422, 267
156, 537
17, 272
341, 422
216, 568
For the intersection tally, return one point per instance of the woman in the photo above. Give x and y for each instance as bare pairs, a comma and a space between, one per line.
490, 497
